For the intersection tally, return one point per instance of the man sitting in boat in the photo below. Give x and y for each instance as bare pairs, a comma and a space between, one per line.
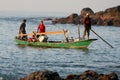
33, 39
42, 38
41, 29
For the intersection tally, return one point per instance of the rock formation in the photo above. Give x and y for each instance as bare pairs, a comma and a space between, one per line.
87, 75
109, 17
42, 75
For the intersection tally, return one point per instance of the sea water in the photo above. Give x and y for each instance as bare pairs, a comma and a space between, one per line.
18, 61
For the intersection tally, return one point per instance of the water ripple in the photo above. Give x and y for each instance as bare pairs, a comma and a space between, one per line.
17, 61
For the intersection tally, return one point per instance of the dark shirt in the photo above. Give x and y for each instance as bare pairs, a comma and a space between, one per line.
87, 22
22, 28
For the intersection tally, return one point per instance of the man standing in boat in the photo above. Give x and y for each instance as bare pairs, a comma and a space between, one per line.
87, 26
22, 29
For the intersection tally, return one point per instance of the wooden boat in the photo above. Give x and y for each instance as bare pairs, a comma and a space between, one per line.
57, 44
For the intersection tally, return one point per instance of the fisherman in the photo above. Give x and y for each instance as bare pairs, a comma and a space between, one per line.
22, 30
87, 26
41, 29
33, 38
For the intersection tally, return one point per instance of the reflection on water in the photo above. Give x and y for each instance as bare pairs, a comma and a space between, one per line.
21, 46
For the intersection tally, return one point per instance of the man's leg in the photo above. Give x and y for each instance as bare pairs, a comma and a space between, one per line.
84, 33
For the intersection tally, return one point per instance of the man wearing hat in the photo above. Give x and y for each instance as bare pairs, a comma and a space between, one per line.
87, 26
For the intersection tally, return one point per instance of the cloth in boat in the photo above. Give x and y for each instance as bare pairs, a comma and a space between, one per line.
43, 38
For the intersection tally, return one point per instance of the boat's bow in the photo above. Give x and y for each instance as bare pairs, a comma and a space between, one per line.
82, 43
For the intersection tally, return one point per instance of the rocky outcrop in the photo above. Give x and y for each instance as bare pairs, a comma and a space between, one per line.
42, 75
72, 19
87, 75
86, 10
109, 17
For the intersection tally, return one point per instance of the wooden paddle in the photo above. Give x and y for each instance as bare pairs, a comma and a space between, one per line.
101, 38
51, 32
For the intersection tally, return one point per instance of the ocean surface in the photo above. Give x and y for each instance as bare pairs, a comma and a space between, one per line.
17, 61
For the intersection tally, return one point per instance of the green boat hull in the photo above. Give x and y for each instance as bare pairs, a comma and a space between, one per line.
54, 44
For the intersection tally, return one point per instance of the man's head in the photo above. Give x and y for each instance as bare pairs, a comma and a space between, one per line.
87, 15
24, 20
41, 21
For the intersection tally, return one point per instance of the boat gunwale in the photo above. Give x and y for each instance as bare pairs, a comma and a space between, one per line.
56, 44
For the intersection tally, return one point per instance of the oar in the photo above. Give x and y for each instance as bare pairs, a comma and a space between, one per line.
50, 32
79, 31
102, 38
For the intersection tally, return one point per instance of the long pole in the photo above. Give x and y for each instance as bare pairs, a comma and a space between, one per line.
79, 31
102, 38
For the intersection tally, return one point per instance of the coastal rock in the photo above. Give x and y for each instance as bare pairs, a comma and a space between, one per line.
72, 19
84, 11
109, 17
47, 19
72, 77
92, 75
113, 76
86, 75
110, 76
42, 75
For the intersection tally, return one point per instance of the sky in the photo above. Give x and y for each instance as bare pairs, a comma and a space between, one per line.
69, 6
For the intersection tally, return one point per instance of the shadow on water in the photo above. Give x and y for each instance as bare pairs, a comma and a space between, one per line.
26, 46
86, 50
21, 46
